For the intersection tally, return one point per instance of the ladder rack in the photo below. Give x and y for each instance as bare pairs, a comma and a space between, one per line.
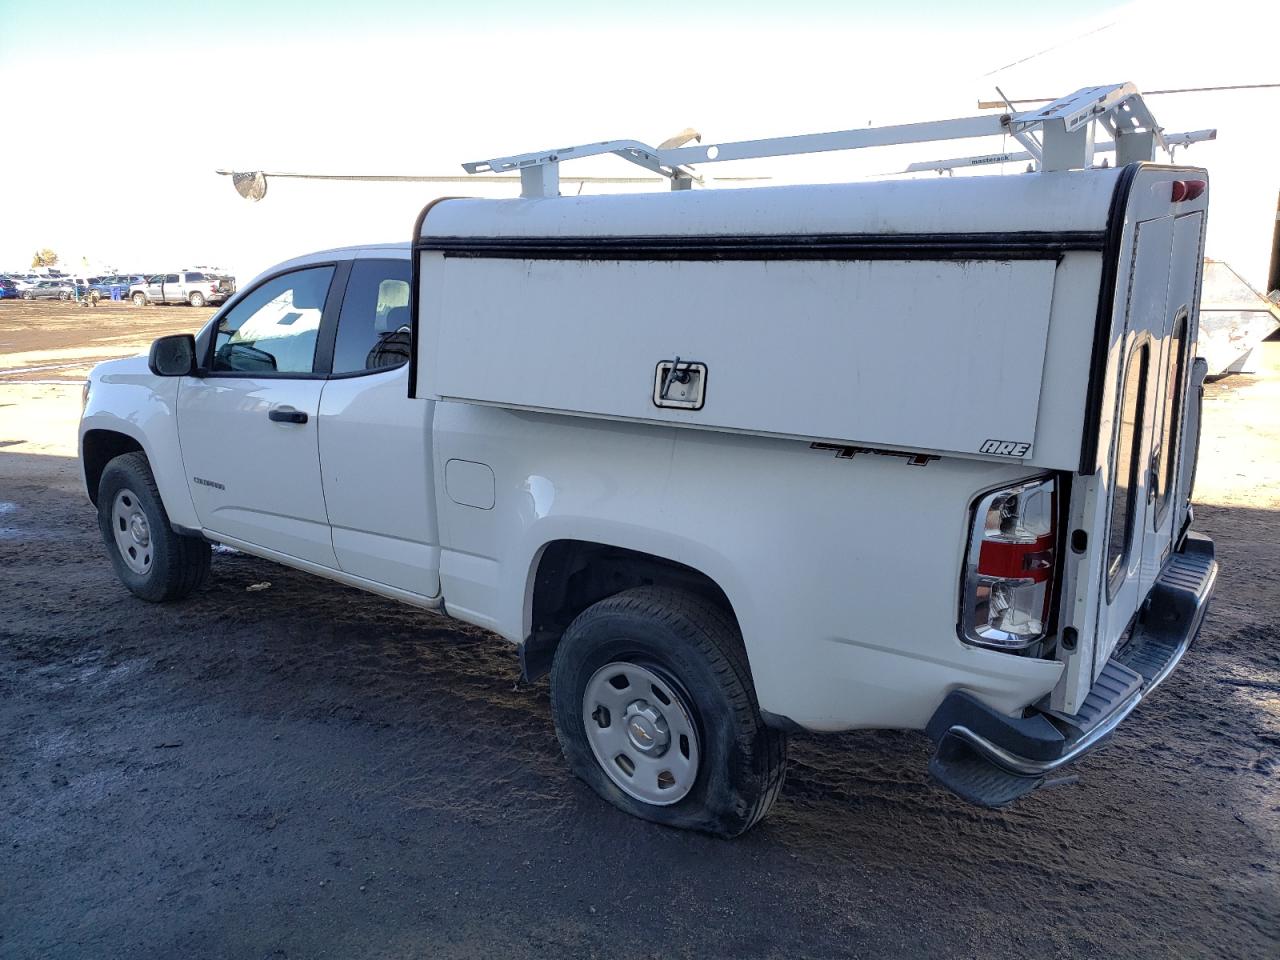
1172, 142
1058, 136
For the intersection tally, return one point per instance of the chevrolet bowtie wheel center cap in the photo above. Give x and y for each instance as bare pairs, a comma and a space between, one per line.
646, 729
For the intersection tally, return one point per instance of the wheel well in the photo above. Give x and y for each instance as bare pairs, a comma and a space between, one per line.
99, 448
574, 574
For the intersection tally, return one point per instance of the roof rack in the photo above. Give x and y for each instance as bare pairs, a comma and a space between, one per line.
1172, 142
1058, 136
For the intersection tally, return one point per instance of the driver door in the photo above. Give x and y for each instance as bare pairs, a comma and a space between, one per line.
248, 425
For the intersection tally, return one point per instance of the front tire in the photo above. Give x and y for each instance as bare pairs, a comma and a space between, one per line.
655, 710
139, 299
153, 561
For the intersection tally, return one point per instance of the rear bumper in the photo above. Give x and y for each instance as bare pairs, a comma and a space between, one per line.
992, 759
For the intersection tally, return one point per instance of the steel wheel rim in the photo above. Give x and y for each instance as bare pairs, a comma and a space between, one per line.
132, 531
641, 730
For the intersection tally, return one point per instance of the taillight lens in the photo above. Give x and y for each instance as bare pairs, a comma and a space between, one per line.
1187, 190
1009, 569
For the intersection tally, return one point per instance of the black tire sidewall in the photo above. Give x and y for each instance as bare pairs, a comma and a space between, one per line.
128, 472
598, 638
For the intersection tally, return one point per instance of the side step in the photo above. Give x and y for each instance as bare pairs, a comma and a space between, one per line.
1116, 684
992, 759
971, 776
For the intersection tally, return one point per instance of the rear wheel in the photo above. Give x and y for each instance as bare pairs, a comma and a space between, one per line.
149, 557
196, 299
139, 299
655, 710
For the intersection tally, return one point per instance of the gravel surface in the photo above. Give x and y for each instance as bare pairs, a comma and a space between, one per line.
284, 767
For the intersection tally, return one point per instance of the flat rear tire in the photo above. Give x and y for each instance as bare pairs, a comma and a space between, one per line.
655, 710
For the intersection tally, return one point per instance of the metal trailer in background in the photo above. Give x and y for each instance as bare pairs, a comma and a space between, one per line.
1234, 319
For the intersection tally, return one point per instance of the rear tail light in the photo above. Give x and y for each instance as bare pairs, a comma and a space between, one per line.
1009, 569
1187, 190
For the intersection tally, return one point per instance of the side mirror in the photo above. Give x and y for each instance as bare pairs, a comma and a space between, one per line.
173, 356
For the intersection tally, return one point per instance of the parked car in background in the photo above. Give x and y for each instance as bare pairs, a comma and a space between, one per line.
50, 290
23, 281
8, 289
191, 286
117, 285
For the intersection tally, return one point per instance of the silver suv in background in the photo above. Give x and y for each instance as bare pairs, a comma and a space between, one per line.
195, 287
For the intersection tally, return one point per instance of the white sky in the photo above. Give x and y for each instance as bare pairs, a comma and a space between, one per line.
113, 137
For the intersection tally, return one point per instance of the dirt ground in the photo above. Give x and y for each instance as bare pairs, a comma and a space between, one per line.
303, 770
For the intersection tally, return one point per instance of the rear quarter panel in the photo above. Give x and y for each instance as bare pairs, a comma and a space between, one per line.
843, 572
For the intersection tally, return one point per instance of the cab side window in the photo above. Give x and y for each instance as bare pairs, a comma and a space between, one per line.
273, 328
373, 327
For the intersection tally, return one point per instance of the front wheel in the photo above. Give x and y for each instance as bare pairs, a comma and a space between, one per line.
149, 557
655, 710
63, 295
139, 299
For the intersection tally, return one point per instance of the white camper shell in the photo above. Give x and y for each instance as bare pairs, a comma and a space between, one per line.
985, 319
729, 464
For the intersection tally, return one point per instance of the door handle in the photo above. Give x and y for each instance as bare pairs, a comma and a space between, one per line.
286, 415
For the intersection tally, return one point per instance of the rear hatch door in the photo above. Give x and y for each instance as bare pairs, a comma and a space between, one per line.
1129, 508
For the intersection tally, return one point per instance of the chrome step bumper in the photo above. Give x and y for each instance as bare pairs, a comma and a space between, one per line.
991, 759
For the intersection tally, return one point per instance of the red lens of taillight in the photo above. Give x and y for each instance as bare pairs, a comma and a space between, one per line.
1031, 561
1187, 190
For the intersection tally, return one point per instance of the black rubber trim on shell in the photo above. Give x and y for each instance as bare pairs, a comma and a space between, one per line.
1017, 245
1102, 320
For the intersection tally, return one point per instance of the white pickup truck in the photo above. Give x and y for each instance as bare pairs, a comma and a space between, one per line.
194, 287
727, 464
